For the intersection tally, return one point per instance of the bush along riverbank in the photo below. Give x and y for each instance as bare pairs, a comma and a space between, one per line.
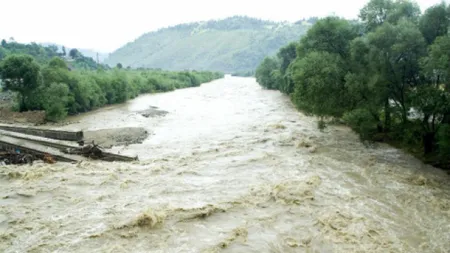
60, 91
387, 77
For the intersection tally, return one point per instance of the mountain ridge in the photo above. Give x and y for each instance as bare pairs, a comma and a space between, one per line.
232, 44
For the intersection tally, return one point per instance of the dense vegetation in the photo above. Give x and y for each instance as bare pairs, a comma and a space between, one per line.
387, 76
244, 73
231, 45
52, 86
43, 54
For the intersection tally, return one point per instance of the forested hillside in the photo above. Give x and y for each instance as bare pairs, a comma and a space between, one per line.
234, 44
387, 77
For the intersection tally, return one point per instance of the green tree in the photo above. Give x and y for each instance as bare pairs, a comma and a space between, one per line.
320, 84
395, 51
444, 143
365, 97
404, 9
432, 104
331, 34
74, 53
287, 55
264, 74
435, 22
54, 101
64, 51
436, 66
375, 13
119, 83
21, 73
57, 62
389, 80
3, 53
56, 71
119, 65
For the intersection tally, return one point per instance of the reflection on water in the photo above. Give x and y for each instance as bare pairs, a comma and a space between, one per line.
231, 168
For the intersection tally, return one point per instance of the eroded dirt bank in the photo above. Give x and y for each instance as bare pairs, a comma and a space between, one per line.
230, 168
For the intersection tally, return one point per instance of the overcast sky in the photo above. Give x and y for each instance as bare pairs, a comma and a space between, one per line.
106, 25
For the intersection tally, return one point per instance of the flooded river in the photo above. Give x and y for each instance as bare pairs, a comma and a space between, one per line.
230, 168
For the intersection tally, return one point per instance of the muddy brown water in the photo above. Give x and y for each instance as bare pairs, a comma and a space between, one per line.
230, 168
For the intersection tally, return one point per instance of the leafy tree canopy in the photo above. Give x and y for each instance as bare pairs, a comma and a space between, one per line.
21, 73
387, 76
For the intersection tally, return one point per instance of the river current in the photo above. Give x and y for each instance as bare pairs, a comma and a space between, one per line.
231, 168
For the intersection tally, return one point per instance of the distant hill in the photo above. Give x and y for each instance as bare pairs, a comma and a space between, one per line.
93, 54
86, 52
234, 44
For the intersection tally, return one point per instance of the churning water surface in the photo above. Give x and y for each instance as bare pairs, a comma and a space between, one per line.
230, 168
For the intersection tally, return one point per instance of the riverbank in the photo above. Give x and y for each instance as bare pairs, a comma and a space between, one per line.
7, 116
415, 149
61, 92
102, 89
433, 159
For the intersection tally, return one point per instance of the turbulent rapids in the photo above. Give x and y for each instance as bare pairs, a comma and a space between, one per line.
230, 168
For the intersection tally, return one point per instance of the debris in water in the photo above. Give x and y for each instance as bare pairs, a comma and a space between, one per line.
49, 159
240, 233
153, 112
314, 181
349, 228
201, 213
14, 175
279, 126
420, 180
291, 242
91, 151
303, 144
26, 194
312, 149
24, 145
295, 192
148, 219
9, 158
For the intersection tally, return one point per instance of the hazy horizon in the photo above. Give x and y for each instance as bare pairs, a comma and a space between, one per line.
105, 26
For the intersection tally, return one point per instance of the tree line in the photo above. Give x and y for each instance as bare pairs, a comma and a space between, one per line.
385, 75
62, 91
43, 54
